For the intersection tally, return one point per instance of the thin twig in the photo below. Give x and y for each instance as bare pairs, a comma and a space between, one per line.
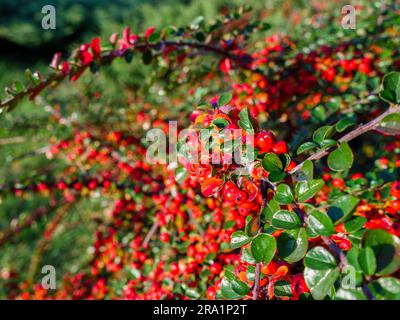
372, 125
265, 186
148, 237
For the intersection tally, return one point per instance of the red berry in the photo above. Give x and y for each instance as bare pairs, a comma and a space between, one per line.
210, 293
337, 183
264, 141
215, 268
164, 237
280, 147
395, 190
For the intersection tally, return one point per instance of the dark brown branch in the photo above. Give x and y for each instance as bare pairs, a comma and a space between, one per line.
265, 186
32, 91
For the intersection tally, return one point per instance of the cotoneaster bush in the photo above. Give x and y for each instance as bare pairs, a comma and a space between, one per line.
312, 214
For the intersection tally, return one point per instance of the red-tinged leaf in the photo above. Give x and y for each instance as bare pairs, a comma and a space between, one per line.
149, 32
95, 46
251, 189
85, 57
225, 65
56, 60
211, 186
114, 38
126, 33
65, 69
77, 75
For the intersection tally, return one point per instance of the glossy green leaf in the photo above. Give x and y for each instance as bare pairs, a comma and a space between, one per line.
239, 239
342, 207
342, 158
307, 146
283, 194
323, 133
328, 143
319, 258
320, 282
388, 287
320, 223
245, 120
293, 245
272, 163
307, 189
284, 219
355, 224
386, 248
180, 174
225, 98
390, 124
233, 288
306, 172
391, 88
263, 248
269, 210
282, 288
367, 261
350, 294
343, 124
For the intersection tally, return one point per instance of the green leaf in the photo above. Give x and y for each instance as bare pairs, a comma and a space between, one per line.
147, 57
245, 121
390, 124
323, 133
263, 248
284, 219
293, 245
221, 123
389, 287
386, 248
192, 293
272, 163
269, 210
343, 124
224, 99
276, 176
306, 172
342, 158
355, 224
342, 207
180, 174
247, 256
239, 239
320, 282
154, 37
283, 194
328, 143
319, 258
282, 288
367, 261
233, 288
350, 294
307, 146
320, 223
307, 189
247, 227
391, 88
